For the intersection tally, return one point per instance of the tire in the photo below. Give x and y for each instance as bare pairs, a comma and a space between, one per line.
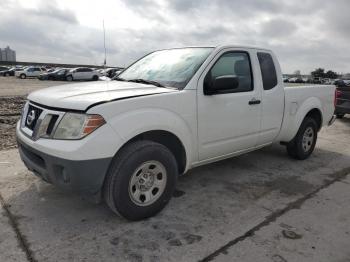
95, 78
23, 76
340, 116
308, 133
125, 168
69, 78
7, 74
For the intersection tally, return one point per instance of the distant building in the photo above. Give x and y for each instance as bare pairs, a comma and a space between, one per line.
7, 54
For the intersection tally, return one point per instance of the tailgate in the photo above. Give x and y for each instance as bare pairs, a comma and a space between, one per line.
343, 97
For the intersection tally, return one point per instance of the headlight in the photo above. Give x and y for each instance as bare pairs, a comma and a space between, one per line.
77, 126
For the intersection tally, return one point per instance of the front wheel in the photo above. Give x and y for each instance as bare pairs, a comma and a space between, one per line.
69, 78
303, 144
340, 116
95, 78
141, 180
22, 76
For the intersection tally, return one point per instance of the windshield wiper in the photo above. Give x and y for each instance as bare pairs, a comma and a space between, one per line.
144, 81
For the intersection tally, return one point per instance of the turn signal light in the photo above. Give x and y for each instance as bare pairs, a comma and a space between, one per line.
92, 123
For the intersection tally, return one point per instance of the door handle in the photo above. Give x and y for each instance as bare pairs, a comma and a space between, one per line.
254, 102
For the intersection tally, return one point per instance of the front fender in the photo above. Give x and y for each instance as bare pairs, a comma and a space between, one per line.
132, 123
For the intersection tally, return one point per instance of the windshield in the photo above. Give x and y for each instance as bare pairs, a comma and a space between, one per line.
174, 67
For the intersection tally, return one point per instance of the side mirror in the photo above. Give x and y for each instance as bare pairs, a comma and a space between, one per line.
222, 83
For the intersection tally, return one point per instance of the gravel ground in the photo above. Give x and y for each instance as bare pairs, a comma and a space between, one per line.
13, 92
10, 110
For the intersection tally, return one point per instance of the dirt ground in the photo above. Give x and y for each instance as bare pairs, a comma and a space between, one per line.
13, 93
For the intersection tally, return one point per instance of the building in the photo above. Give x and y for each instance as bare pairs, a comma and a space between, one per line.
7, 54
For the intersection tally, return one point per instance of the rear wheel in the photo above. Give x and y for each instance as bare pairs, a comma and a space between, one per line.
340, 116
95, 78
303, 144
141, 180
69, 78
22, 76
7, 74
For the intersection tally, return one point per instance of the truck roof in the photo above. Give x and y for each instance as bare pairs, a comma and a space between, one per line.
220, 47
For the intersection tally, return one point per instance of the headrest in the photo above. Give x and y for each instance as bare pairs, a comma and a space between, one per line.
242, 67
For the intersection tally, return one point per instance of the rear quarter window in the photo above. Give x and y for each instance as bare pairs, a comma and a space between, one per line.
268, 70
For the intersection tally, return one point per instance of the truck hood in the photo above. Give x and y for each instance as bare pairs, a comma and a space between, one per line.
84, 95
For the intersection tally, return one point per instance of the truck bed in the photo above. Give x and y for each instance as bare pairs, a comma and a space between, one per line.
302, 98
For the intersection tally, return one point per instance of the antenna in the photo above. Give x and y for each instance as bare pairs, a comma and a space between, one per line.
104, 43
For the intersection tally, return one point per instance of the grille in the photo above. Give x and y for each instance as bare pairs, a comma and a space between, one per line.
32, 116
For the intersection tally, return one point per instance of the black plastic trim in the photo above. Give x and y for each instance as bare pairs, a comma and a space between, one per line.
117, 99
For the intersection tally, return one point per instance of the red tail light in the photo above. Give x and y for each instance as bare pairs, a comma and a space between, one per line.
336, 96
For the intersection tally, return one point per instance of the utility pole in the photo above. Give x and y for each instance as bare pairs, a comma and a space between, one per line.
104, 44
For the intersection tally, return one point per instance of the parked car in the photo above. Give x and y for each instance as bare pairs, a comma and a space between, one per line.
128, 140
82, 73
31, 71
296, 80
111, 72
342, 101
58, 74
285, 79
3, 68
317, 80
346, 82
326, 81
10, 72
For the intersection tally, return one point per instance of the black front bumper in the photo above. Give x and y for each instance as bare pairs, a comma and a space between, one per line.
84, 176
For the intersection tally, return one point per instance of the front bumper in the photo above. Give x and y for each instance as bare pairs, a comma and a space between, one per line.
84, 176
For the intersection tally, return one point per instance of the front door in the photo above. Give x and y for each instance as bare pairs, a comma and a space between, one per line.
229, 120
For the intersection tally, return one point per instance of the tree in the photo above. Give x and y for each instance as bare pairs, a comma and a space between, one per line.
319, 72
331, 74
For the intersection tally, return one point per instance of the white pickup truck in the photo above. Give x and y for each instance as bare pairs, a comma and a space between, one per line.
128, 140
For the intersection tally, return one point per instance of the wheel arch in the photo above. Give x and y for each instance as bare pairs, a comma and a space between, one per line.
295, 115
166, 138
315, 114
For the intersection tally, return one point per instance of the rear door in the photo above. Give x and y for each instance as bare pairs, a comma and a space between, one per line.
78, 73
36, 71
87, 73
272, 97
229, 121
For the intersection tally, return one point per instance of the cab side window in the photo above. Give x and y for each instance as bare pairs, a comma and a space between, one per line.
233, 66
268, 70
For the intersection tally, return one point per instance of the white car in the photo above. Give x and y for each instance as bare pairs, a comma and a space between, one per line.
129, 139
82, 73
31, 71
